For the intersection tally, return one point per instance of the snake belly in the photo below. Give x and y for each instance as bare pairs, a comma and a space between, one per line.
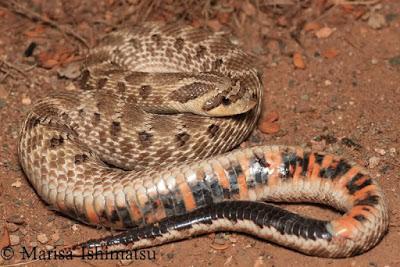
147, 146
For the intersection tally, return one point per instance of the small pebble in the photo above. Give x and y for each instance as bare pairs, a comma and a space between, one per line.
12, 227
232, 239
374, 61
59, 242
259, 262
3, 103
14, 240
170, 255
126, 262
373, 162
327, 83
376, 21
380, 151
394, 61
305, 97
219, 239
72, 71
55, 237
392, 151
26, 101
324, 32
23, 231
42, 238
75, 227
17, 219
71, 87
49, 247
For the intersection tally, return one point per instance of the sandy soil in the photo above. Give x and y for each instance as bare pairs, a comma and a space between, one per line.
341, 96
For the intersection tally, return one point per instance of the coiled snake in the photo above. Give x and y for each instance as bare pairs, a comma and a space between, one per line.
145, 145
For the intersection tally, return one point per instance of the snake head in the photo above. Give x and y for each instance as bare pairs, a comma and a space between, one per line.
211, 94
233, 100
221, 106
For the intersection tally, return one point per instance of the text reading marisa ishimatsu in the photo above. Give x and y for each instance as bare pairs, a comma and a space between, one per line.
36, 253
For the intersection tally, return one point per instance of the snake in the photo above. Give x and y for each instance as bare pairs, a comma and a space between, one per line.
149, 145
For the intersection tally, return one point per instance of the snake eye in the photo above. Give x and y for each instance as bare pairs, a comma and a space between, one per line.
226, 101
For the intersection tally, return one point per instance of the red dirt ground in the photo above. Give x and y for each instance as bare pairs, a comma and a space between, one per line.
345, 100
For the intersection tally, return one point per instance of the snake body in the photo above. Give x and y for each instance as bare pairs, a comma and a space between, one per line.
146, 146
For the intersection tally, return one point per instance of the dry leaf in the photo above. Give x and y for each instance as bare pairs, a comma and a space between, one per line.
220, 246
330, 53
224, 17
46, 60
298, 61
214, 25
347, 8
324, 32
269, 127
35, 32
282, 21
358, 13
16, 184
249, 9
196, 23
312, 26
5, 239
272, 116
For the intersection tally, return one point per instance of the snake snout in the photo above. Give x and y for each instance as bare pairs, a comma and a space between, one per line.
227, 107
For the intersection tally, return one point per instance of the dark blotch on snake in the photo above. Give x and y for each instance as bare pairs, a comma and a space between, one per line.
190, 91
200, 51
84, 80
217, 64
80, 158
121, 87
179, 42
156, 38
182, 138
115, 128
145, 138
56, 141
96, 118
134, 42
144, 91
213, 129
101, 82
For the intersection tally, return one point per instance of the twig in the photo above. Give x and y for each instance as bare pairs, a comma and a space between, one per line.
17, 8
14, 67
360, 2
337, 3
5, 76
20, 263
